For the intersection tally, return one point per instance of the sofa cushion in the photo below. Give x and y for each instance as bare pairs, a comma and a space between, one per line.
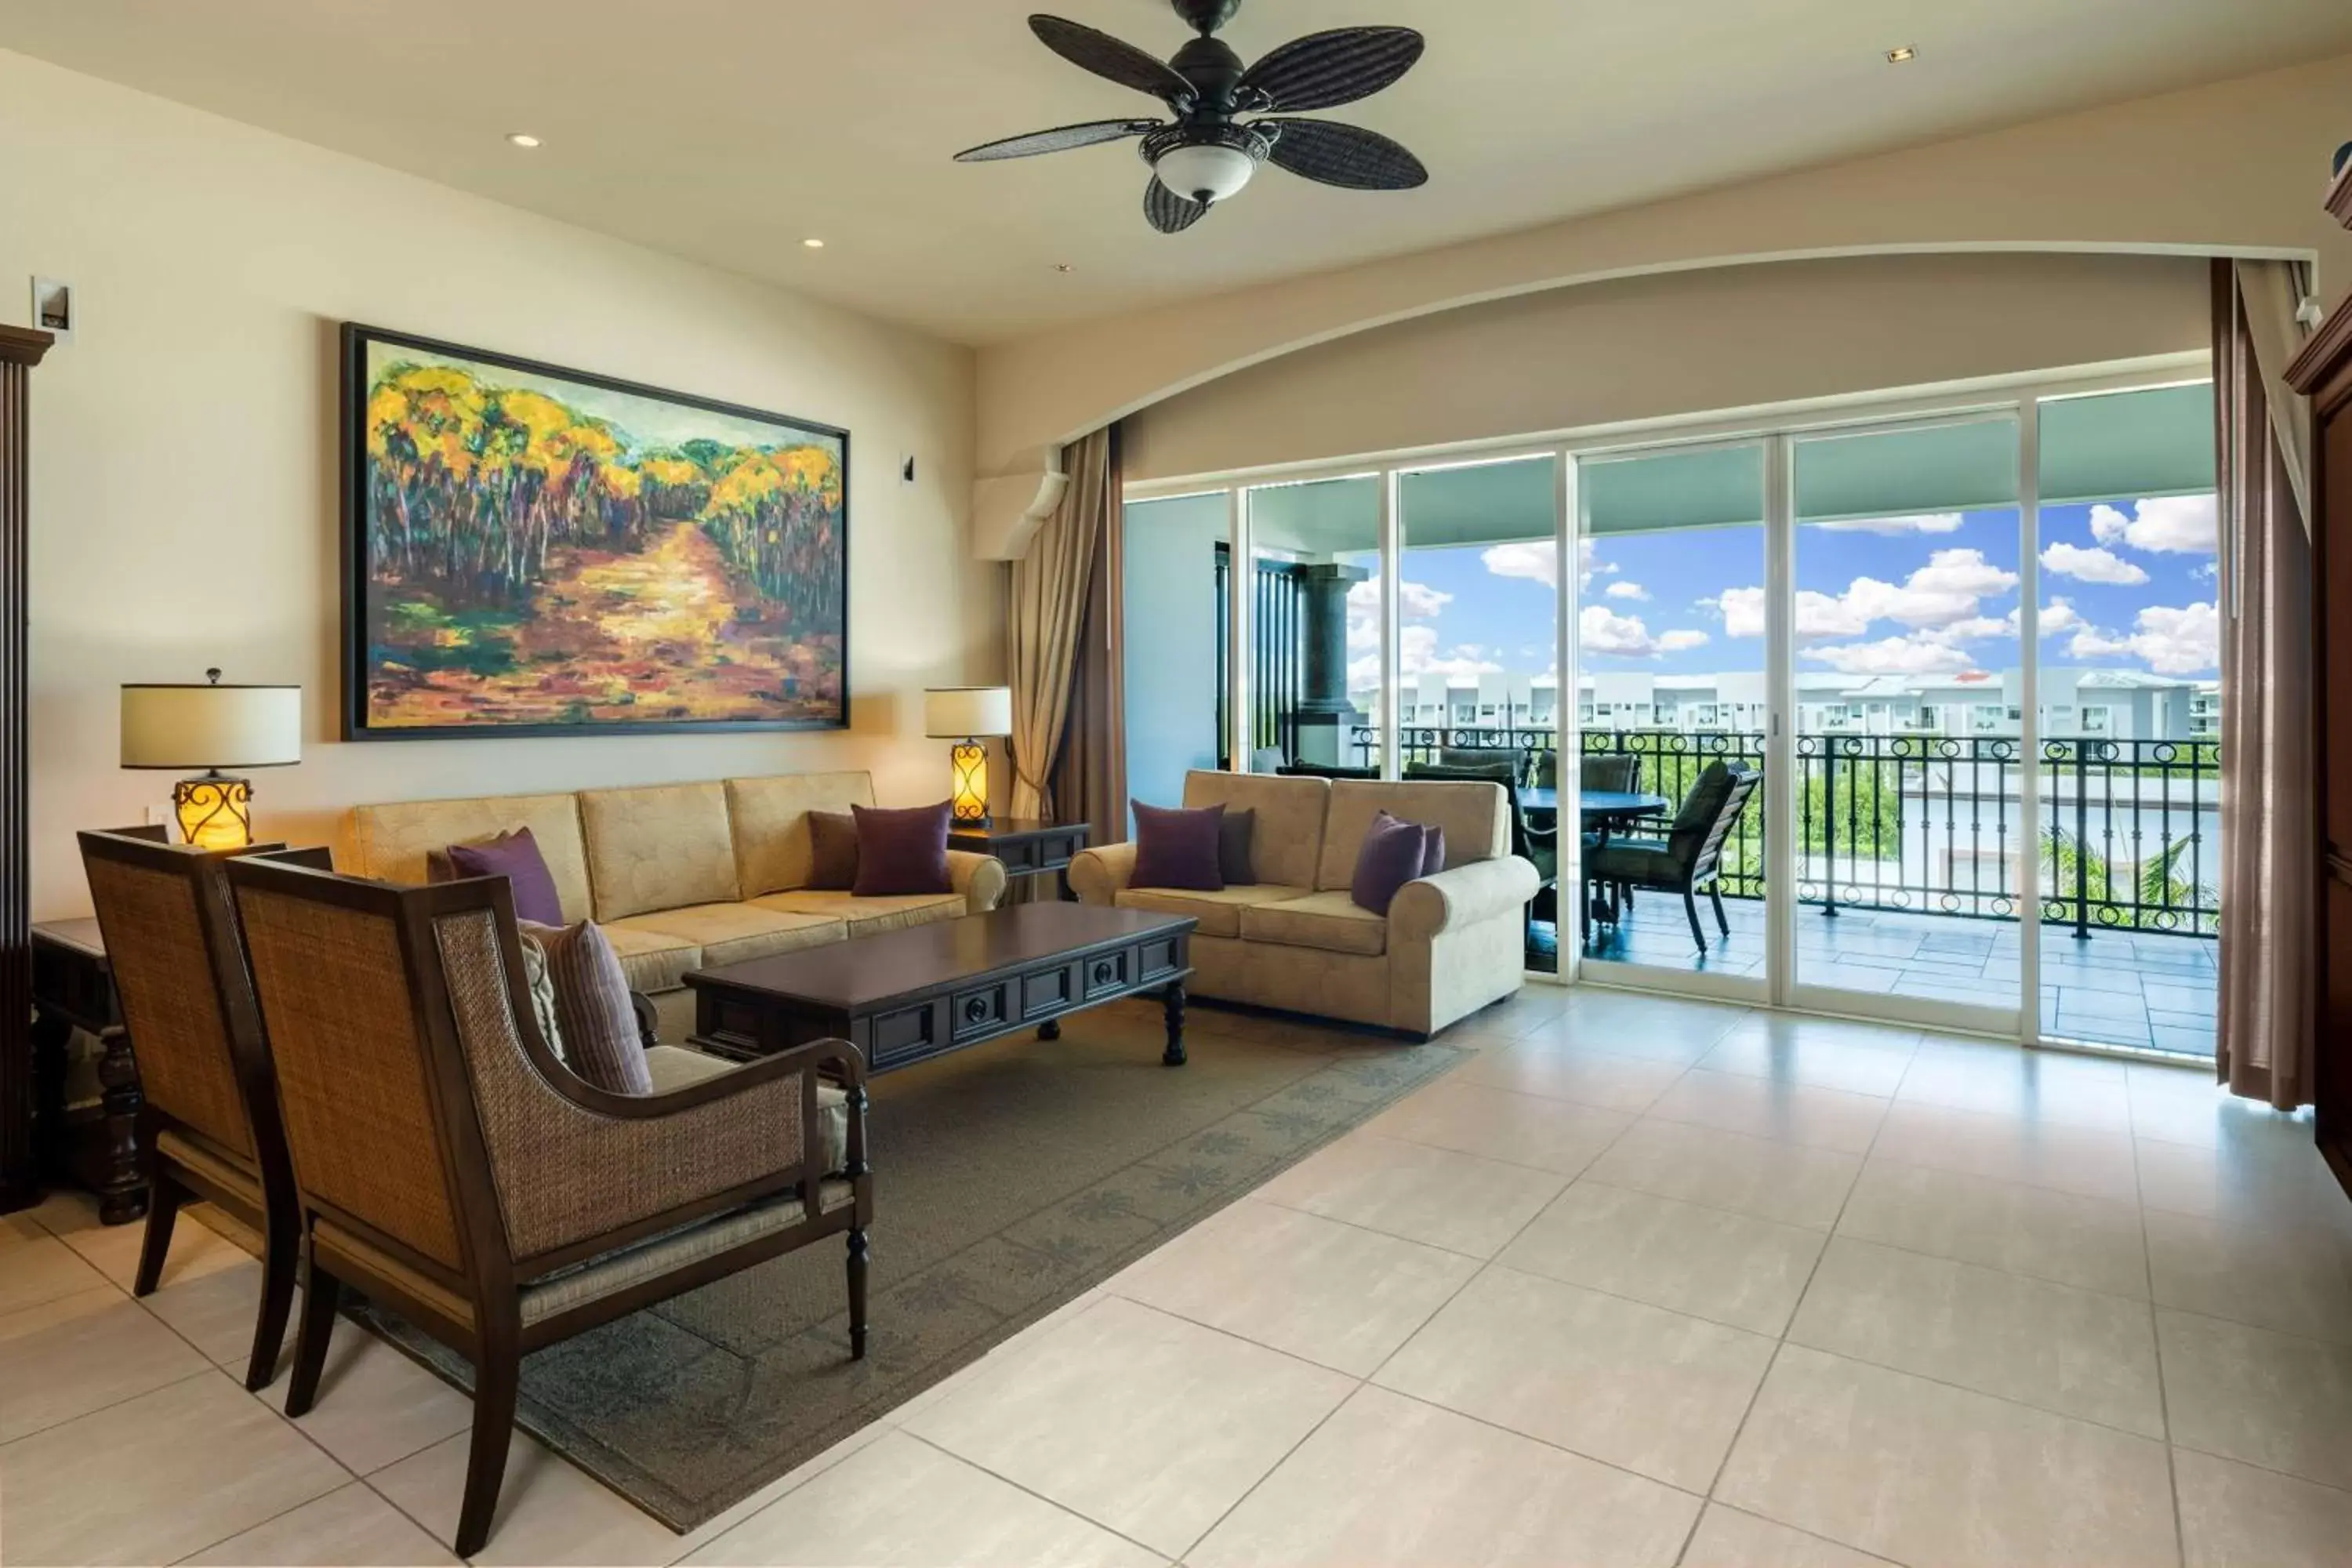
659, 848
1471, 814
654, 961
869, 917
1219, 913
732, 933
770, 817
389, 842
1287, 835
1328, 920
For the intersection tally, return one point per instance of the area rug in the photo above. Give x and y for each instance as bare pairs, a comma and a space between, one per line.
1009, 1179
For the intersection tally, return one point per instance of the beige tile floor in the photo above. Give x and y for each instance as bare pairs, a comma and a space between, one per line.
1646, 1282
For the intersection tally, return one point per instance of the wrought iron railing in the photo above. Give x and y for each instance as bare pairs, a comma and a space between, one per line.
2125, 837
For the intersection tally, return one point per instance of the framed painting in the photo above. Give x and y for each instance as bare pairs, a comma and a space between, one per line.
531, 550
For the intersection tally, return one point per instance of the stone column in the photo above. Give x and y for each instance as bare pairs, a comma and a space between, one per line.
1326, 718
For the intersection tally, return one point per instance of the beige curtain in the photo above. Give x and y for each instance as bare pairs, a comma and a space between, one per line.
2268, 833
1090, 777
1050, 589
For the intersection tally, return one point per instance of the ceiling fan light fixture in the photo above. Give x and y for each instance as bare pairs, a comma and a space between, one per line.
1899, 56
1204, 172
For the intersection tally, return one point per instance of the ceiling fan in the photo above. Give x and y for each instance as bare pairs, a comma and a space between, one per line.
1208, 152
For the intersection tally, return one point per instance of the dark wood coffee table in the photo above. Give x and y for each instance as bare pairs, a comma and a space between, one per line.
907, 995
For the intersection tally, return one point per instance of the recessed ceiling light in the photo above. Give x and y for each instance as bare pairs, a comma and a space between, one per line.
813, 244
1061, 267
522, 138
1897, 57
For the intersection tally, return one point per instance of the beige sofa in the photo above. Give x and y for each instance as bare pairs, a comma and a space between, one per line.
681, 877
1449, 944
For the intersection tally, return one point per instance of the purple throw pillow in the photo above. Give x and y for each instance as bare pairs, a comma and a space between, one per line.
1433, 851
902, 851
514, 856
1390, 856
833, 851
1179, 848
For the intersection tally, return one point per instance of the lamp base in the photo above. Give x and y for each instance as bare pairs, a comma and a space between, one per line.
968, 802
214, 811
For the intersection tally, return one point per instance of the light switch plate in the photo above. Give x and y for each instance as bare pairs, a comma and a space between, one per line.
53, 308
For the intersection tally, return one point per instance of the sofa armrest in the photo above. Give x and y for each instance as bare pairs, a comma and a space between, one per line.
979, 877
1097, 875
1461, 896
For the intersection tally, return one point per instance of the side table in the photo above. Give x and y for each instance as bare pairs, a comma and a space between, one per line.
1028, 848
73, 988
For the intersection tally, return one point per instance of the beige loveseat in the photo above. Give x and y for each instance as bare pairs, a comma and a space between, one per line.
681, 877
1294, 939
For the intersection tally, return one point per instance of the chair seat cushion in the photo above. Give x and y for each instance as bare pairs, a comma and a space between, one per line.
611, 1272
1331, 921
868, 916
1639, 860
1219, 913
732, 933
654, 961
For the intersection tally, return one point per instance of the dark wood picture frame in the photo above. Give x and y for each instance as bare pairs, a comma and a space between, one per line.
355, 341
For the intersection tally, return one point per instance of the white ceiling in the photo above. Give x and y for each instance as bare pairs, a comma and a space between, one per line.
727, 131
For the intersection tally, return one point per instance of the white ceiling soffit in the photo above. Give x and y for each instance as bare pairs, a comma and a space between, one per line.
729, 131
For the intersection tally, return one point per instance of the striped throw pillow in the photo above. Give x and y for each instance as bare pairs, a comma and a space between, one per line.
601, 1042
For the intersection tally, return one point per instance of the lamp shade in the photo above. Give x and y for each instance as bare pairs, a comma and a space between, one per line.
953, 712
195, 727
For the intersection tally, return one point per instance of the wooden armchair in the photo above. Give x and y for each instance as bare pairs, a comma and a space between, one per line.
209, 1129
1691, 854
447, 1165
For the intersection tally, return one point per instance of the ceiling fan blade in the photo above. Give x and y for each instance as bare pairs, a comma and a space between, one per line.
1060, 138
1168, 211
1109, 58
1323, 71
1342, 155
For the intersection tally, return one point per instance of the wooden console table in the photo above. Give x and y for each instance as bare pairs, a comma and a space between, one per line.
73, 988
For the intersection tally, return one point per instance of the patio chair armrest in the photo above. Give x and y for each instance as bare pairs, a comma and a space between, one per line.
979, 877
1461, 896
1097, 875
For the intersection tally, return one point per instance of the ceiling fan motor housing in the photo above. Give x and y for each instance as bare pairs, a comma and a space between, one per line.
1206, 15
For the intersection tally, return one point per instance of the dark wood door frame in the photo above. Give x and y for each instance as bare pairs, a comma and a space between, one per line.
20, 350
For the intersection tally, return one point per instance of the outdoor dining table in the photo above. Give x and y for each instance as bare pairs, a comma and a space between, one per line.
1601, 812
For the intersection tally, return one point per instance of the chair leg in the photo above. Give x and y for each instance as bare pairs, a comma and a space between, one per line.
281, 1249
319, 1296
1715, 897
1690, 908
163, 1196
496, 1380
857, 1294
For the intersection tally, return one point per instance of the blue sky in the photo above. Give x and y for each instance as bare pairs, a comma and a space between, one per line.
2127, 585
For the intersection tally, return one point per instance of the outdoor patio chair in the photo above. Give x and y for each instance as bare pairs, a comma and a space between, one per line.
1690, 856
449, 1165
1538, 846
1325, 771
1512, 757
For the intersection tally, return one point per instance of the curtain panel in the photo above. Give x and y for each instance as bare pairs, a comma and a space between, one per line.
1053, 587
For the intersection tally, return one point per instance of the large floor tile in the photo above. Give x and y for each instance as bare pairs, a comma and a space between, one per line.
1726, 1538
1560, 1072
2094, 1243
1458, 1202
1861, 1059
216, 1311
1936, 1477
2044, 1086
196, 1248
2076, 1353
2186, 1106
82, 1353
350, 1528
2298, 1281
2274, 1179
2278, 1401
1144, 1423
1334, 1294
2081, 1160
1768, 1108
1760, 1176
156, 1477
898, 1502
1658, 1393
2234, 1515
375, 1405
1629, 1024
43, 1269
1387, 1482
1711, 1263
548, 1514
1500, 1124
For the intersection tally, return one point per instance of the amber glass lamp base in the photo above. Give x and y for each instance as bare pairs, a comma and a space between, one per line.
215, 811
969, 801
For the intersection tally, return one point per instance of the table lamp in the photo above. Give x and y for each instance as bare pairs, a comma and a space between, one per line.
210, 727
965, 714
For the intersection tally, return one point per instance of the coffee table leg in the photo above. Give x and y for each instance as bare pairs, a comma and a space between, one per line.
1050, 1029
1174, 1004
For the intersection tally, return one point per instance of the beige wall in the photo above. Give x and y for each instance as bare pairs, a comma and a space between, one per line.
2236, 167
185, 449
1682, 342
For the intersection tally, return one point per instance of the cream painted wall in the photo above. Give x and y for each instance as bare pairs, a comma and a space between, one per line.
1682, 342
185, 451
2236, 167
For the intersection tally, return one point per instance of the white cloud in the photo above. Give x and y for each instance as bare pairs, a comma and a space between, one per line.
1930, 522
1974, 629
1535, 560
2058, 615
1917, 655
2174, 524
2096, 564
1626, 591
2170, 640
1418, 655
1946, 592
1682, 641
1415, 602
1603, 630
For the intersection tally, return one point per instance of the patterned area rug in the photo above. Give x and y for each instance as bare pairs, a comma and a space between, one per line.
1008, 1179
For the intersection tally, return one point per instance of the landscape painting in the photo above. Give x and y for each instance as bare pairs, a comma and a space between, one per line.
534, 550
